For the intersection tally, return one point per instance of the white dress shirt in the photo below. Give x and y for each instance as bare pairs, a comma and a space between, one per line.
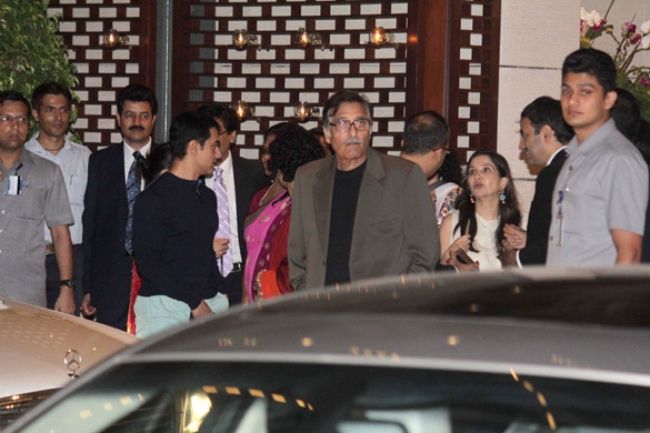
229, 180
73, 161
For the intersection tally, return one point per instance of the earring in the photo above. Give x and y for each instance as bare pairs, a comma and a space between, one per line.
471, 198
502, 197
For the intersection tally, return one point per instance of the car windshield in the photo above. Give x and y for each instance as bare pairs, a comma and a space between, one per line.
205, 397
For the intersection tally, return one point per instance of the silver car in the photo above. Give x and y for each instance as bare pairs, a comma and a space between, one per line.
508, 352
42, 350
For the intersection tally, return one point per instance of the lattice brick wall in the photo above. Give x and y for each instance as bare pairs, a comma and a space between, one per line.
474, 72
101, 71
273, 80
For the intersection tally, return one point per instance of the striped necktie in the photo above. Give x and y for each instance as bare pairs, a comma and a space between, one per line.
133, 183
225, 261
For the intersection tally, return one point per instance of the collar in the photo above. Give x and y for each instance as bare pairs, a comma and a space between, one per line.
593, 142
550, 160
226, 164
33, 145
128, 150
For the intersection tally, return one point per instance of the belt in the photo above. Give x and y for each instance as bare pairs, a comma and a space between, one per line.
237, 267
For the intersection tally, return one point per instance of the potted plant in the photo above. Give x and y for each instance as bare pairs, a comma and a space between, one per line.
630, 40
31, 49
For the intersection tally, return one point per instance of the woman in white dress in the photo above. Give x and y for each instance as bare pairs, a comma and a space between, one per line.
471, 236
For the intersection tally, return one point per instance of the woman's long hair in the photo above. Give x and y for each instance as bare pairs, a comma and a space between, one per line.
508, 212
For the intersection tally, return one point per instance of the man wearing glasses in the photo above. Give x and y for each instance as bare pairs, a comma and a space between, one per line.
32, 192
359, 214
234, 181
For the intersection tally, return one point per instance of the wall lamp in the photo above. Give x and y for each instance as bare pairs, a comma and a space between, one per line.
243, 110
303, 111
379, 37
306, 39
242, 39
113, 40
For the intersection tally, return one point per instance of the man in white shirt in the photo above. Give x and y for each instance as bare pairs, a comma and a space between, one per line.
242, 178
114, 180
51, 105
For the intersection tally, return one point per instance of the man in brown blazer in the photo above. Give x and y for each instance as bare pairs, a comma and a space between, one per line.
359, 213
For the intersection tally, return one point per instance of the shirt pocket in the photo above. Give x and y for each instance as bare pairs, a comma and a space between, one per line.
76, 184
30, 204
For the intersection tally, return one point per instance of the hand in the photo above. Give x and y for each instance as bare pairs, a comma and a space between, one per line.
220, 246
463, 267
201, 310
434, 198
65, 301
462, 242
86, 308
515, 237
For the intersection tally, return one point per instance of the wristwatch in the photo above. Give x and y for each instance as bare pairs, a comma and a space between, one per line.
68, 283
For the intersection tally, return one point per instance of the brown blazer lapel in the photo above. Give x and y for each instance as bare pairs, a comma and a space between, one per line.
371, 193
323, 202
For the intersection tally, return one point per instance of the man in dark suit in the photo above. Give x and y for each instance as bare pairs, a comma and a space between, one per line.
359, 213
544, 135
113, 182
235, 181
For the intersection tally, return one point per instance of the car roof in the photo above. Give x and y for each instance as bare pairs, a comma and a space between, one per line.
35, 341
587, 324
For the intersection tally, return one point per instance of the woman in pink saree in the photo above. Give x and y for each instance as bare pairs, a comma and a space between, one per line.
266, 271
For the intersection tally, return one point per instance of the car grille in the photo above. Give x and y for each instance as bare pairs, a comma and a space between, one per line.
13, 406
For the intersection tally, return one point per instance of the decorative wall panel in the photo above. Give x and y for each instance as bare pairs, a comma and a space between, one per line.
278, 73
474, 74
102, 71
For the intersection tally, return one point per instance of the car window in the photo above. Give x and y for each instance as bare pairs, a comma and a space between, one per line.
207, 397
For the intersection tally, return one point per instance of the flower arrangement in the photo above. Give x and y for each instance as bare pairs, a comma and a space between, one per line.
630, 40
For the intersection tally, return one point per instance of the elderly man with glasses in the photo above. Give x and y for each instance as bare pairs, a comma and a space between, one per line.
359, 213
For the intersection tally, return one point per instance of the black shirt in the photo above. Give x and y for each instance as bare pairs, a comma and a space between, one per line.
344, 208
174, 222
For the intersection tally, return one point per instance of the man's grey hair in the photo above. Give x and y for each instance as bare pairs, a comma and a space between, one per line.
342, 96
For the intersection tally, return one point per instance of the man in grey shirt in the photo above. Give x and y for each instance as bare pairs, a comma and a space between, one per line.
601, 193
32, 192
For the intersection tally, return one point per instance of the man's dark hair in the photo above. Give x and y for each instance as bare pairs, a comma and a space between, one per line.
341, 97
137, 93
626, 113
186, 127
293, 147
49, 88
159, 159
593, 62
222, 112
548, 111
424, 132
13, 96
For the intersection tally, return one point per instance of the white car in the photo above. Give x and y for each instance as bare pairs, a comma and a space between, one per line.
42, 350
507, 352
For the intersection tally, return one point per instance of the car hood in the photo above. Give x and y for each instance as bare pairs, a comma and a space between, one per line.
35, 342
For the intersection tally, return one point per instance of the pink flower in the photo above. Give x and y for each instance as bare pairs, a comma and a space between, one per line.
644, 80
628, 28
635, 38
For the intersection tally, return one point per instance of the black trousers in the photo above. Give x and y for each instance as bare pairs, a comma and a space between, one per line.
52, 288
231, 286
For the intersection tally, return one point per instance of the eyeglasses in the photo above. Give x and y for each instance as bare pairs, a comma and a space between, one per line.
20, 120
344, 125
